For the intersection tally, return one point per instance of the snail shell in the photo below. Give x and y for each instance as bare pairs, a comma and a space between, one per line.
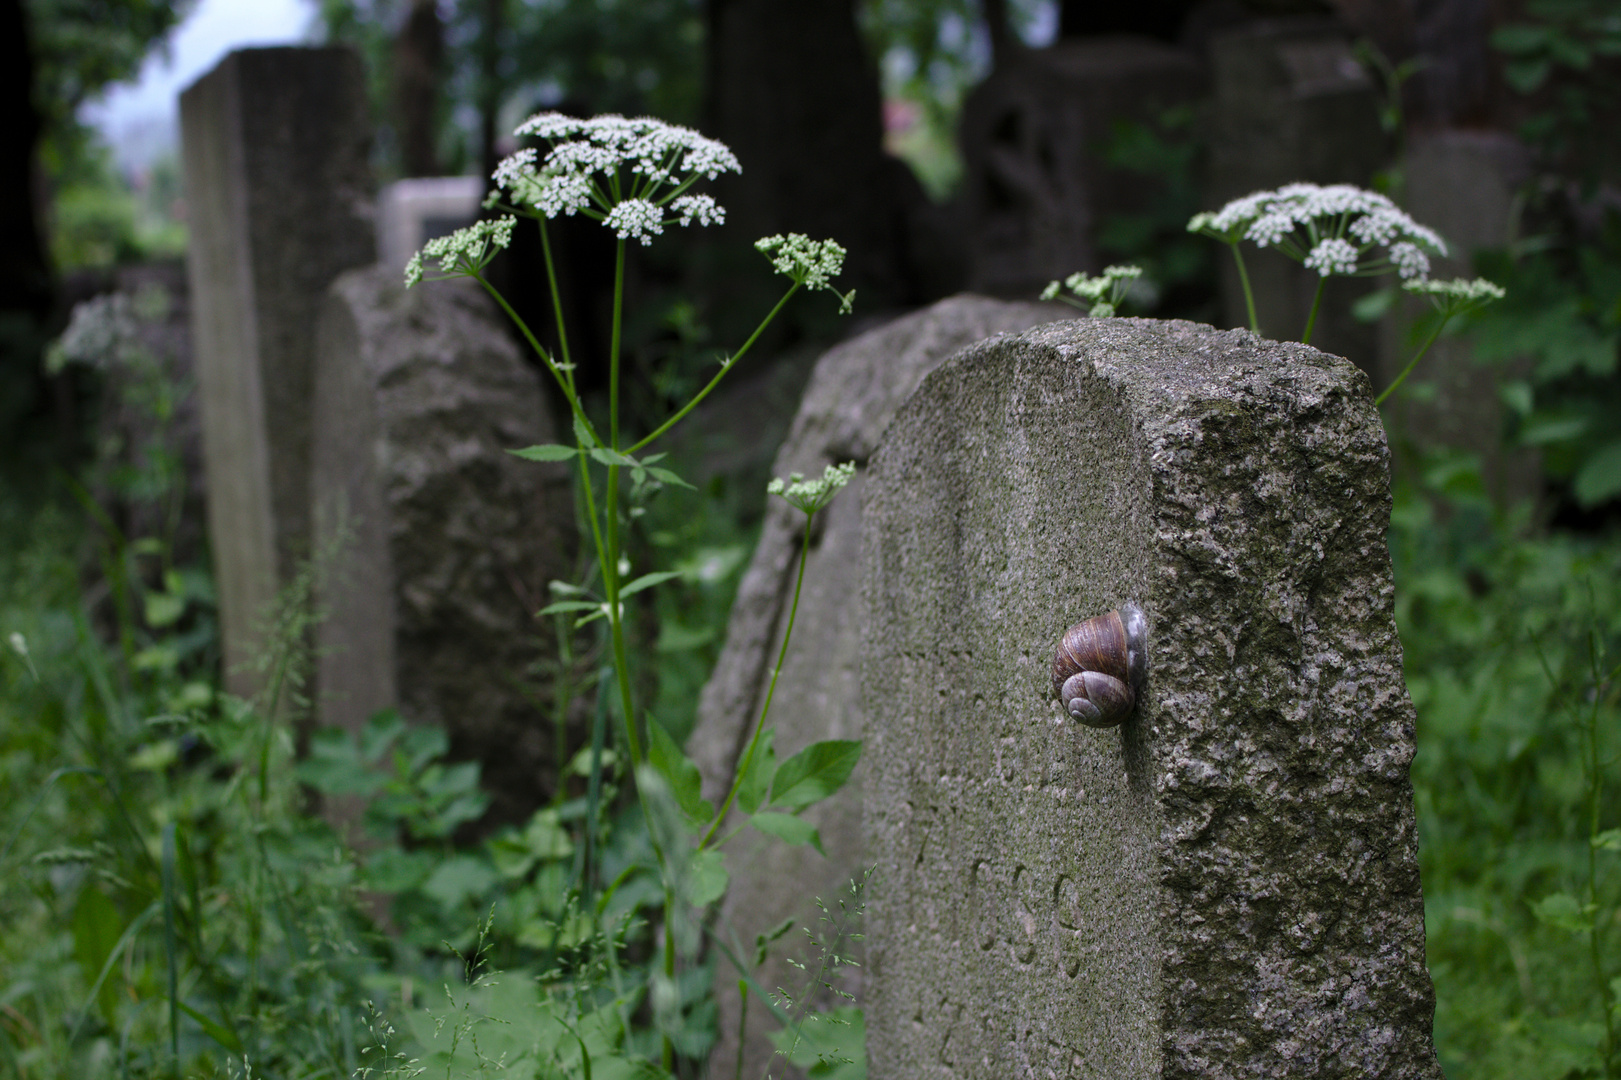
1100, 666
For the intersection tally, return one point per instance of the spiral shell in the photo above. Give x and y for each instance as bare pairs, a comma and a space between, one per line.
1100, 665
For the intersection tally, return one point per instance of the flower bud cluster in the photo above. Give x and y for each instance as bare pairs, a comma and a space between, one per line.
463, 251
811, 495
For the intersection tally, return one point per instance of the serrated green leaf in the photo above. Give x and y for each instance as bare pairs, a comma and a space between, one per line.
612, 457
756, 781
647, 581
569, 605
680, 773
546, 452
1599, 478
814, 773
1565, 912
787, 828
668, 477
706, 877
582, 434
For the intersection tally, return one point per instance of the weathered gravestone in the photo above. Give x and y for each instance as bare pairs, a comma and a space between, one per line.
1227, 884
279, 202
853, 392
437, 544
1465, 185
1292, 103
1036, 184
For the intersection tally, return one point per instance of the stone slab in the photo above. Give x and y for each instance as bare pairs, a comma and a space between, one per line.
275, 145
852, 394
1227, 884
437, 545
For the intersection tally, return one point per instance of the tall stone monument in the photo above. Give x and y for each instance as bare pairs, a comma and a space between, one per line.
279, 202
1227, 883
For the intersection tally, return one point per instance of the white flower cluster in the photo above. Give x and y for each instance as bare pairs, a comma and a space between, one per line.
1458, 294
811, 263
464, 250
811, 495
584, 171
1104, 291
1328, 218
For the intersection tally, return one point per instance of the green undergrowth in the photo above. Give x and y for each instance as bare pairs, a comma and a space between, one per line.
1512, 642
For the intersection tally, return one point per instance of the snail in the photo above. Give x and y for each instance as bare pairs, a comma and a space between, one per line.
1099, 668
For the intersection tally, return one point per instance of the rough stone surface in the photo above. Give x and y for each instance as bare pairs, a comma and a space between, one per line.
437, 544
1227, 884
1036, 184
853, 392
275, 146
1292, 103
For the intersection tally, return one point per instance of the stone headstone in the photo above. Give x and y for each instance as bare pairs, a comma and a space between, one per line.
1463, 184
278, 203
412, 212
1036, 186
854, 390
1225, 885
1292, 103
437, 545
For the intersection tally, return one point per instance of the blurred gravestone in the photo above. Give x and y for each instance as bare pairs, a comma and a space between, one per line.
1225, 885
441, 543
412, 212
1292, 103
278, 203
854, 390
1463, 184
1036, 185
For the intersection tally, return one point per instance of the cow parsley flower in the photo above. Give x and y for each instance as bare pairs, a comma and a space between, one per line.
807, 262
1332, 256
465, 251
1102, 293
624, 173
812, 495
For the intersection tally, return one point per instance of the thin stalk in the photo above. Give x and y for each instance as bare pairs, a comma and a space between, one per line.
1595, 794
1391, 389
566, 385
759, 725
613, 349
557, 301
689, 406
1311, 320
1249, 294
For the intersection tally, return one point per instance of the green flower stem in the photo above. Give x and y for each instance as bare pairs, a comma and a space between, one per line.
1311, 320
613, 352
1391, 389
759, 725
557, 303
721, 374
1249, 294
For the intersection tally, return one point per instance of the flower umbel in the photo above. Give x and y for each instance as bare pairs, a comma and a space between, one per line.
465, 251
1102, 293
1331, 229
807, 262
812, 495
623, 173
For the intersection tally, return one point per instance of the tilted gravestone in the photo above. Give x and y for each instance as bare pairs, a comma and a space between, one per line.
1037, 186
436, 544
853, 392
278, 203
1292, 103
1225, 885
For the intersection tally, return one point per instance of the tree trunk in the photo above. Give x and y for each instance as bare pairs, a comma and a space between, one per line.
419, 54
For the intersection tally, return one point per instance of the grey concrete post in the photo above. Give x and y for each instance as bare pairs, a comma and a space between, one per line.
1224, 886
278, 201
